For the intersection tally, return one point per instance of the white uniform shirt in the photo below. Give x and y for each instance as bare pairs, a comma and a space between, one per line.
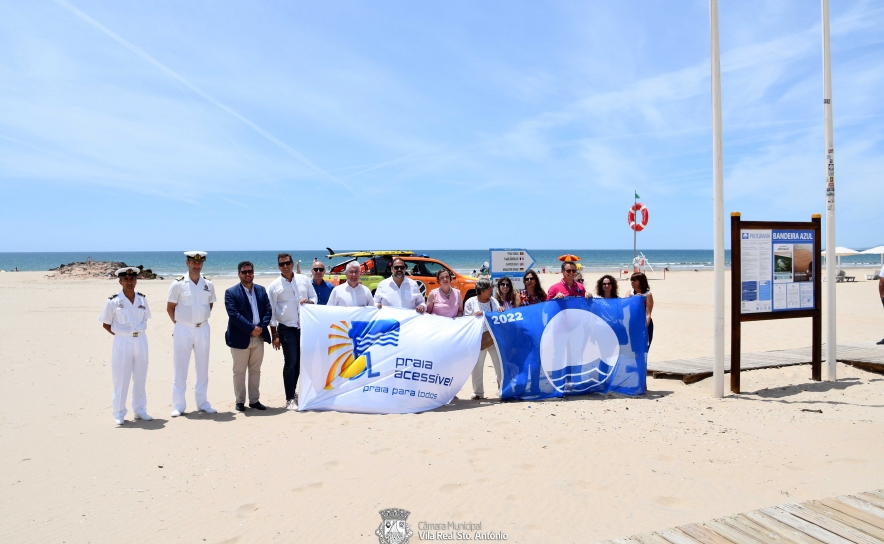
124, 316
192, 299
344, 295
408, 295
473, 305
285, 299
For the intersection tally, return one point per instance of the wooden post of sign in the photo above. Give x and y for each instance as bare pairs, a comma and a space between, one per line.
737, 317
736, 297
816, 351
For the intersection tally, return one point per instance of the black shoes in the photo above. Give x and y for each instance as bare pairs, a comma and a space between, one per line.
240, 407
257, 406
881, 342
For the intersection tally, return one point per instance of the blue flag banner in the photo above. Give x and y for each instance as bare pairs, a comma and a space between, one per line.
572, 346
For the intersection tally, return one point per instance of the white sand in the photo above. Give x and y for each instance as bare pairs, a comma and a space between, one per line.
579, 470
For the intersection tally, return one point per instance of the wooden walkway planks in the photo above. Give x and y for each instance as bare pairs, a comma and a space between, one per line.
866, 356
849, 519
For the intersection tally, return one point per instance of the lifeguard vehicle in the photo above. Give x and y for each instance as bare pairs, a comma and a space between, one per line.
376, 266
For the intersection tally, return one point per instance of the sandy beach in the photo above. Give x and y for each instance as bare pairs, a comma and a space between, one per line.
582, 469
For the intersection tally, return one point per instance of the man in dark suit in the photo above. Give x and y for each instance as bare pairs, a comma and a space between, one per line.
249, 312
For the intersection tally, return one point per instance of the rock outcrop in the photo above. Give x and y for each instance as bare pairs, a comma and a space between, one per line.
99, 269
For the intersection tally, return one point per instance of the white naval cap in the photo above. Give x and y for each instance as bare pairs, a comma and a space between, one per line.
196, 255
127, 271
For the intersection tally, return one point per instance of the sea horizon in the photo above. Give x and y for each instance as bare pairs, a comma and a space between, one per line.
223, 263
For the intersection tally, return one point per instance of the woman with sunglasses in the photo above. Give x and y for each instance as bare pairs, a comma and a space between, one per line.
640, 288
606, 287
506, 296
445, 300
533, 292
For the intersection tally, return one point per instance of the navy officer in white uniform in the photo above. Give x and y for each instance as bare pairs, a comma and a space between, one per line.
125, 316
189, 305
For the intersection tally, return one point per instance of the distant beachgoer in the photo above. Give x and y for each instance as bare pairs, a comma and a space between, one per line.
640, 288
189, 305
323, 288
474, 274
287, 293
445, 300
533, 292
506, 297
397, 291
351, 292
881, 294
88, 262
125, 316
606, 287
567, 287
579, 278
478, 306
16, 269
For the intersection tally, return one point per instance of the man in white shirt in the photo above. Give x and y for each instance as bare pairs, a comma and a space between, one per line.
189, 306
125, 316
881, 294
287, 293
398, 291
352, 293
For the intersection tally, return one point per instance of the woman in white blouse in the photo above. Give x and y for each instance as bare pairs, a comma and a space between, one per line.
478, 306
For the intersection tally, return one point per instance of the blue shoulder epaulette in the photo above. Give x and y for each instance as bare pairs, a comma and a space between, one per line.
141, 294
179, 278
113, 297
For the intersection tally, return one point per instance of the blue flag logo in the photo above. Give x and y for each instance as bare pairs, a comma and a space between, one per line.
572, 346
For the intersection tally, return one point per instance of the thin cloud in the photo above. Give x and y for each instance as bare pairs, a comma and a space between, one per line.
217, 103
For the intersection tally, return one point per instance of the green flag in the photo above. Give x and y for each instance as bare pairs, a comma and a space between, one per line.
636, 196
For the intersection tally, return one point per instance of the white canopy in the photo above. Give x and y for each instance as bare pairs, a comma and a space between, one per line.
874, 251
843, 252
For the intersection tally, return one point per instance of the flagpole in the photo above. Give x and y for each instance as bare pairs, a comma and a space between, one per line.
717, 207
634, 230
831, 337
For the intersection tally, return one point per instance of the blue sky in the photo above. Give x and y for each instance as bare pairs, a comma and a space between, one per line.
257, 125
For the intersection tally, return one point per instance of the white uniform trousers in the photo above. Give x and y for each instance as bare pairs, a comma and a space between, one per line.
190, 339
479, 370
129, 363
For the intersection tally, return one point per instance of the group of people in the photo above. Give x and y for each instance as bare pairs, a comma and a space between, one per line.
258, 316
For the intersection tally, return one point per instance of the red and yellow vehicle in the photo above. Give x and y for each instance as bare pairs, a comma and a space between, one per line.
376, 266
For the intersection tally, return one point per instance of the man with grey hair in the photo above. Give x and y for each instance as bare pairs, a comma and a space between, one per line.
351, 293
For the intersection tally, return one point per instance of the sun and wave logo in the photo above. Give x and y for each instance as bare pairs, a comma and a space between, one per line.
350, 345
578, 351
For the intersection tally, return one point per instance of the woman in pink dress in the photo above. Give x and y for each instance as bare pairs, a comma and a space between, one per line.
444, 300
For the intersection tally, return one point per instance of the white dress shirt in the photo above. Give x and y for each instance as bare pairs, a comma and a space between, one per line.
253, 302
192, 299
285, 299
408, 295
344, 295
124, 316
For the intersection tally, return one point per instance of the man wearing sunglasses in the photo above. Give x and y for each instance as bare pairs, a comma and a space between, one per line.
323, 288
397, 291
249, 313
568, 287
287, 293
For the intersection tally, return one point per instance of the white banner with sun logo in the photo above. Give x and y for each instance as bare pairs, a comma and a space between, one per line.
387, 361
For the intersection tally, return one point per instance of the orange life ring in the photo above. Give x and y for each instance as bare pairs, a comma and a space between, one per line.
637, 208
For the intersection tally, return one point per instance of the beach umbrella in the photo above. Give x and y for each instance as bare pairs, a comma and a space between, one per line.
568, 258
842, 252
879, 250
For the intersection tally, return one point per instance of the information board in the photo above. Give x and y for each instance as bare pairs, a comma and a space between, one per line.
512, 263
776, 273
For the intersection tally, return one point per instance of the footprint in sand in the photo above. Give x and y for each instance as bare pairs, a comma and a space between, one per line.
669, 501
308, 487
246, 510
332, 464
382, 450
451, 488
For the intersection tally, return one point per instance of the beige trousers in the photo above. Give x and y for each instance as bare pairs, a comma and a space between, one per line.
479, 370
251, 359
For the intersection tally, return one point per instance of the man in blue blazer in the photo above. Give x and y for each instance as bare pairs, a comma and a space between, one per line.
248, 324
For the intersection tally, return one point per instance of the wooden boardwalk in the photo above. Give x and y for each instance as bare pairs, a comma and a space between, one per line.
848, 519
866, 356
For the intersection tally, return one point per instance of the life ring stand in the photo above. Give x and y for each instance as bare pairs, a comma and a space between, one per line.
637, 211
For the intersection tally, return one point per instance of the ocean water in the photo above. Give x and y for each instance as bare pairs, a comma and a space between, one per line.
223, 263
